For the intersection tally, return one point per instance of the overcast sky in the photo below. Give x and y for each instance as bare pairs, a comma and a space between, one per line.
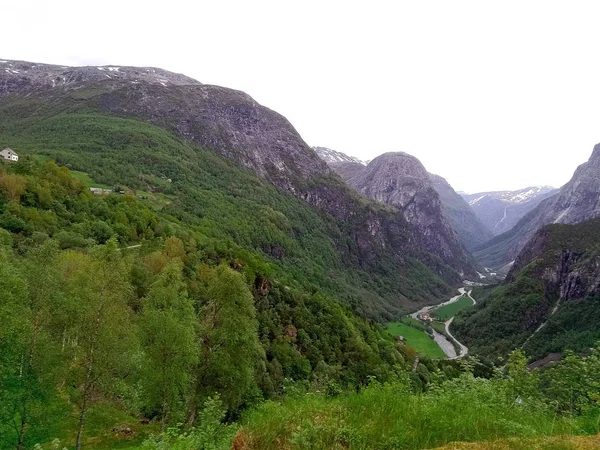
491, 95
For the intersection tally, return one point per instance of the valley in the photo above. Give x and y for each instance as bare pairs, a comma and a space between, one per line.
180, 269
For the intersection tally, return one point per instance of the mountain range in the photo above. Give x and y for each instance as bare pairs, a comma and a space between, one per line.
391, 235
575, 202
93, 105
499, 211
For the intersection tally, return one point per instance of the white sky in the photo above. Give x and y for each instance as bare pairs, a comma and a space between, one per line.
491, 95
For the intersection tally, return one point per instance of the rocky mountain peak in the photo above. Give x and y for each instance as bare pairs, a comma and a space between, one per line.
401, 180
18, 75
333, 157
398, 164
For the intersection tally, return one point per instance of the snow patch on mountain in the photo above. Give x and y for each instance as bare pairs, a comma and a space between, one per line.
332, 156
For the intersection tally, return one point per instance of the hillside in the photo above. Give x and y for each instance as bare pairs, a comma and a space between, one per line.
549, 302
139, 132
575, 202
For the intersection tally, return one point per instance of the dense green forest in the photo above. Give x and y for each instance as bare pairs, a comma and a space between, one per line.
154, 330
202, 308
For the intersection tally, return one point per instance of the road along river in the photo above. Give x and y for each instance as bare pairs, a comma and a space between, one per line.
445, 344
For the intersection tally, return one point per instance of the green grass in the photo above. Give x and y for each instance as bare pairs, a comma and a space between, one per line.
417, 339
391, 417
449, 311
87, 180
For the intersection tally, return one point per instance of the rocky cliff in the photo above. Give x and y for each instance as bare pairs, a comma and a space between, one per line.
576, 201
471, 231
400, 180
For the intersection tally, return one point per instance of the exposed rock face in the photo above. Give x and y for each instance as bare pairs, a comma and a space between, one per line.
499, 211
232, 124
20, 75
471, 231
400, 180
575, 202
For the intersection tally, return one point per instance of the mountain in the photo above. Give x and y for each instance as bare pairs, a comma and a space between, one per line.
471, 231
550, 301
575, 202
344, 165
138, 127
400, 179
333, 157
499, 211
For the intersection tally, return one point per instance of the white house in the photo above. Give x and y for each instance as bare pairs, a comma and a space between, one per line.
9, 155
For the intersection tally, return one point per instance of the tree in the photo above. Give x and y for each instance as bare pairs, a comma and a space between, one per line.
38, 353
101, 339
167, 327
231, 352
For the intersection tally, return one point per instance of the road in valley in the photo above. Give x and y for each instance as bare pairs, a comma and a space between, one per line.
446, 344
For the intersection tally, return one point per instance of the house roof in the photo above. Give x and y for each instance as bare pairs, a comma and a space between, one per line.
8, 151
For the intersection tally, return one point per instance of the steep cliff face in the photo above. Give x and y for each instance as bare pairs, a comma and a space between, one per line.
550, 300
400, 180
576, 201
471, 231
499, 211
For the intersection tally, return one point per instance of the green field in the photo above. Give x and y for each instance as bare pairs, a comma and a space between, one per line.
417, 339
448, 311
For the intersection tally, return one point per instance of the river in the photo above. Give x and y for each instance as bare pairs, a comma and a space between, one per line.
445, 343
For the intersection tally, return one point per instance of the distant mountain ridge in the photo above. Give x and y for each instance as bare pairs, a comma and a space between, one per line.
472, 232
575, 202
333, 156
499, 211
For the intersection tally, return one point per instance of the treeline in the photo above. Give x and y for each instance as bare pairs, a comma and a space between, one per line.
154, 332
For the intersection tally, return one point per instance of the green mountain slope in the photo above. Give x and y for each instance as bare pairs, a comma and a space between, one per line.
230, 203
550, 301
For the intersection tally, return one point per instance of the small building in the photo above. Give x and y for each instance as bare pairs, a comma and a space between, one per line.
99, 191
8, 154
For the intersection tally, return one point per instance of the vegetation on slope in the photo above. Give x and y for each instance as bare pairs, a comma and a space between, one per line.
555, 270
95, 334
518, 403
226, 202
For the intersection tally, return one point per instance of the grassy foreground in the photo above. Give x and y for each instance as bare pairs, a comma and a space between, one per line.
389, 416
417, 339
